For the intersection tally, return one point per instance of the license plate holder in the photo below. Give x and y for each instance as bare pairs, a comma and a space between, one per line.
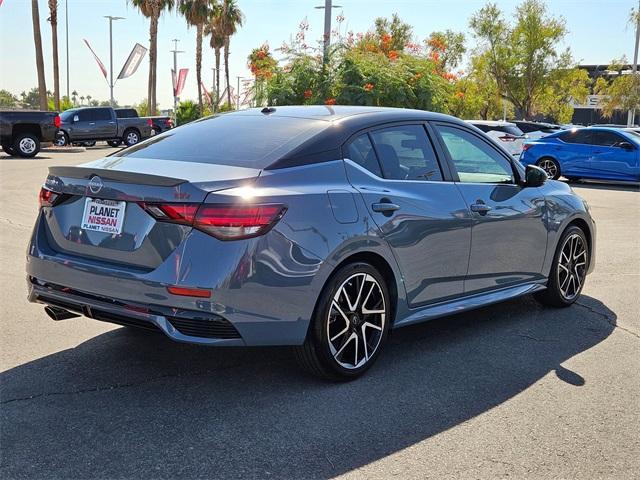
106, 216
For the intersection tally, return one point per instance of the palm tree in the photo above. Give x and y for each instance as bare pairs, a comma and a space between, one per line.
74, 97
230, 19
197, 13
53, 18
89, 97
82, 100
214, 29
37, 39
152, 10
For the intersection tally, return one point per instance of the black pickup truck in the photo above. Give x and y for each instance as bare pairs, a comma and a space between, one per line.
22, 131
159, 123
89, 124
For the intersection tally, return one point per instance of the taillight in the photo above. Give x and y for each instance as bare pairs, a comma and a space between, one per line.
47, 198
56, 121
225, 222
149, 122
526, 147
168, 122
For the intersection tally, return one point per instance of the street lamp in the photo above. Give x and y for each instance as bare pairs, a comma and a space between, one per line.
175, 52
111, 19
327, 26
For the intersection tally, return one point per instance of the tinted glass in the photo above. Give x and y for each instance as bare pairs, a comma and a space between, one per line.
126, 113
475, 160
253, 141
576, 136
527, 127
361, 151
406, 153
102, 114
67, 115
605, 139
85, 114
484, 128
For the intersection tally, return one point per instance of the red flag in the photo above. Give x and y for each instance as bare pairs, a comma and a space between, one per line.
100, 64
182, 78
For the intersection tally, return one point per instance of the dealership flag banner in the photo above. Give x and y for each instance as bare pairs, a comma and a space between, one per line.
178, 85
206, 93
133, 62
100, 64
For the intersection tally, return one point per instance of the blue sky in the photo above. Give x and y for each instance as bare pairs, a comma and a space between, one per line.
598, 32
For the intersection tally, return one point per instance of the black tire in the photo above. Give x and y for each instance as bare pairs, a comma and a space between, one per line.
8, 149
573, 179
89, 144
318, 355
553, 296
26, 145
551, 166
130, 137
62, 140
114, 143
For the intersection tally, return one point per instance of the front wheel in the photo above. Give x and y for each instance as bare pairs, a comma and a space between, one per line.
550, 166
349, 326
26, 145
568, 271
131, 137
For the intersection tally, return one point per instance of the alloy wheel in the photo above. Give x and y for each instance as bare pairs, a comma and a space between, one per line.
356, 321
572, 266
27, 145
550, 167
132, 138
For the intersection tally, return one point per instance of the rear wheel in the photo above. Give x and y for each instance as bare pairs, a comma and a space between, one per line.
26, 145
8, 149
550, 166
62, 140
131, 137
349, 326
568, 271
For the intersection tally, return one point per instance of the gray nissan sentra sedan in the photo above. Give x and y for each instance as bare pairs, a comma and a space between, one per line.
319, 227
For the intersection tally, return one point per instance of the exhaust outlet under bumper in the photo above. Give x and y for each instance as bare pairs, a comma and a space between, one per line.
57, 313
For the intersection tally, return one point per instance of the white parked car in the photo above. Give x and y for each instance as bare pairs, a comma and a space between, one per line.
506, 133
536, 130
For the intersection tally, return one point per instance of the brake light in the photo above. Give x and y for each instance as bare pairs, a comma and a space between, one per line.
47, 198
225, 222
149, 122
56, 121
168, 122
526, 147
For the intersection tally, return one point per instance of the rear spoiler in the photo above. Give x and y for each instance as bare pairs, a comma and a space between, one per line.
115, 176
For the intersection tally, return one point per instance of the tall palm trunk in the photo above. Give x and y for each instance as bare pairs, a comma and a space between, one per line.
37, 39
199, 28
53, 18
226, 69
217, 99
153, 51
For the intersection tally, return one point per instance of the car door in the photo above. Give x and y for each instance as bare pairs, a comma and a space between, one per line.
574, 151
416, 207
509, 235
105, 123
610, 160
82, 129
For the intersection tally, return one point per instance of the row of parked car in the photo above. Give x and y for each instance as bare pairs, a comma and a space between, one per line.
602, 152
22, 132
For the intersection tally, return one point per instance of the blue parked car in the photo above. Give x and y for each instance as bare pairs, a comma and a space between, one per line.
591, 153
319, 227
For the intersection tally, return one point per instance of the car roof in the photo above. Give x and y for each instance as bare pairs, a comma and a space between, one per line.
491, 123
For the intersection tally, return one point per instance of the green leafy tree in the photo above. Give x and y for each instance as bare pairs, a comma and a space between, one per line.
524, 57
186, 112
230, 18
31, 99
8, 99
620, 93
447, 48
395, 32
143, 108
152, 9
197, 13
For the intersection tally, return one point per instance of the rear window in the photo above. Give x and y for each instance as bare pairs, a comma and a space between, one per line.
253, 141
126, 113
509, 129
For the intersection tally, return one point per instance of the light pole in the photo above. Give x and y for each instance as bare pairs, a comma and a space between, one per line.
111, 19
327, 26
175, 52
632, 113
66, 22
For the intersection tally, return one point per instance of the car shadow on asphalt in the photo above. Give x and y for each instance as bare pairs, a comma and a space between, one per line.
5, 157
131, 404
595, 185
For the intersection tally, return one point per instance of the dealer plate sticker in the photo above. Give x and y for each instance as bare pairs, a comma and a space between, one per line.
105, 216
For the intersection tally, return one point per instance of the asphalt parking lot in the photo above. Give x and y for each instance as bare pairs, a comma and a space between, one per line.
515, 390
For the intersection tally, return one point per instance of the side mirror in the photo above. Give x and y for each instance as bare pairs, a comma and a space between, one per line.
625, 145
76, 118
535, 176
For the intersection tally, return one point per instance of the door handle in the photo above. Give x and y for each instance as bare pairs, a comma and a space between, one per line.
92, 123
480, 208
385, 207
112, 123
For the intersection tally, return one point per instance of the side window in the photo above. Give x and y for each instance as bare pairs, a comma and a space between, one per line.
475, 160
84, 115
577, 136
406, 153
605, 139
361, 151
102, 114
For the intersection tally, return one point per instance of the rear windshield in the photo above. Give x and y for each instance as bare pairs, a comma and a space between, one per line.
126, 113
253, 141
